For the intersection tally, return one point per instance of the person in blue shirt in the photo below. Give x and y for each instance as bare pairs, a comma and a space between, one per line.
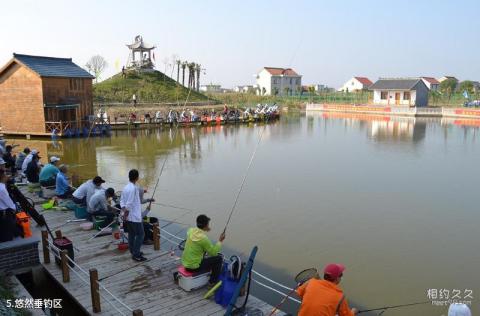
48, 174
63, 188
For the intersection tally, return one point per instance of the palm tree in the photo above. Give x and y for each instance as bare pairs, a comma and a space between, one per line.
184, 65
191, 75
198, 68
179, 64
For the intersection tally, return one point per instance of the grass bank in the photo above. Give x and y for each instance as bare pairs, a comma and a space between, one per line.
148, 87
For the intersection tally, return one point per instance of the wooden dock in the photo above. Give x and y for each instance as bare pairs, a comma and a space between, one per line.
147, 287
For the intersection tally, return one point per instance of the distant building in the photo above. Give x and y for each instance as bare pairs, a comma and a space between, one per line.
319, 88
211, 88
39, 94
278, 81
431, 83
400, 91
447, 77
476, 86
356, 84
244, 89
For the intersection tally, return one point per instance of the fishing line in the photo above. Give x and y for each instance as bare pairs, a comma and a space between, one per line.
392, 307
244, 178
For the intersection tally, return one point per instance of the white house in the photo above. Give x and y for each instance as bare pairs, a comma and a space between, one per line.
278, 81
431, 83
400, 92
356, 84
211, 88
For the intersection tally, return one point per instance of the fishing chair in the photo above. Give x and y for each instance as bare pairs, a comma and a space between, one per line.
189, 281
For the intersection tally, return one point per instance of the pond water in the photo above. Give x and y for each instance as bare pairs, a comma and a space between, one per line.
394, 199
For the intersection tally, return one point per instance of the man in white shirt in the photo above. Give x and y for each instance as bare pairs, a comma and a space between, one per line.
131, 204
28, 159
85, 191
7, 211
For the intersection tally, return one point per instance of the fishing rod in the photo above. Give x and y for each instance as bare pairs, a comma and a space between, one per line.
392, 307
243, 181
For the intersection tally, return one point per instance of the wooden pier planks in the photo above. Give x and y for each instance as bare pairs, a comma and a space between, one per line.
147, 286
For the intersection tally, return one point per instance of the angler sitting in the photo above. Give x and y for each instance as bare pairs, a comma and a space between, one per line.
99, 204
325, 297
8, 227
33, 170
9, 159
48, 174
62, 187
147, 221
85, 191
197, 244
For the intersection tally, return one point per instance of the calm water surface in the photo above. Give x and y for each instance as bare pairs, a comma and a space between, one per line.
394, 199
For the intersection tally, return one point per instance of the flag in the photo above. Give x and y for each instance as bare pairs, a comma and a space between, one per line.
465, 94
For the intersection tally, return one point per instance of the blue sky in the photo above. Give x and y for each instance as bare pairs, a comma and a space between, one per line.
325, 41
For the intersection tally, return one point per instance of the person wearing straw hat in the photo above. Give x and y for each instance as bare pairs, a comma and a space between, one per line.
325, 297
48, 174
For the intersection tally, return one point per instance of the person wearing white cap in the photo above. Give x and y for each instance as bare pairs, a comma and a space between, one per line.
28, 159
48, 175
457, 309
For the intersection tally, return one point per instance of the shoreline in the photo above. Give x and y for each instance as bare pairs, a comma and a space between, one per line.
441, 112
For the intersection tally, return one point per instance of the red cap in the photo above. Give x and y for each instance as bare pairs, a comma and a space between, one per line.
334, 270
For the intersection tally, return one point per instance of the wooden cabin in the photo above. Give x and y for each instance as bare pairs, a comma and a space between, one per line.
39, 94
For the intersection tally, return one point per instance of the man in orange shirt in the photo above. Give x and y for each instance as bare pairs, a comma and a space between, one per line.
325, 297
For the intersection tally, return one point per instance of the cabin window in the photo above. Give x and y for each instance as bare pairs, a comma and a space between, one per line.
298, 81
406, 95
383, 95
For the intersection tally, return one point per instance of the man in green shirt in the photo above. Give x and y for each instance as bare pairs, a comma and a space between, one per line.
48, 174
197, 245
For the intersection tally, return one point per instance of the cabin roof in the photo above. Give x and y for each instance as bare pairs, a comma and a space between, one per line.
396, 84
52, 66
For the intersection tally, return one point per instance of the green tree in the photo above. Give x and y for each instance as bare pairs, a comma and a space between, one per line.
466, 85
311, 91
448, 87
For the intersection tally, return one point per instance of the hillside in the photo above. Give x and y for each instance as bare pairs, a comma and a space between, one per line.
148, 87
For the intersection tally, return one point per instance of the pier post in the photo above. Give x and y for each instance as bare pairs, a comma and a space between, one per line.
46, 251
94, 289
156, 237
58, 234
137, 312
65, 269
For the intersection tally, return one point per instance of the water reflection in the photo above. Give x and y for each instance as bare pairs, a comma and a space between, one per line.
383, 195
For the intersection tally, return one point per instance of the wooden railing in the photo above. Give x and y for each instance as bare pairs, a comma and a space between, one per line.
62, 126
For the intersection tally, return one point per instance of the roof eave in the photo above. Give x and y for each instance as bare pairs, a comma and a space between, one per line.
11, 61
